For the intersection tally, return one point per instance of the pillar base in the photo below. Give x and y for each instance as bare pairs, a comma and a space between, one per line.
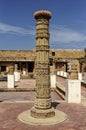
26, 117
38, 113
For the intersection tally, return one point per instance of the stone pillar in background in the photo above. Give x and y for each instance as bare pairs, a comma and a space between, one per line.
11, 78
24, 71
27, 68
73, 69
42, 107
16, 73
73, 88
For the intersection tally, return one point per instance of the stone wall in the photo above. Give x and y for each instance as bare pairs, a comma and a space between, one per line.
58, 62
70, 53
17, 54
31, 53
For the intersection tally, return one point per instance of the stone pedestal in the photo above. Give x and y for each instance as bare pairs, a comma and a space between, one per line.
10, 81
53, 81
73, 91
42, 114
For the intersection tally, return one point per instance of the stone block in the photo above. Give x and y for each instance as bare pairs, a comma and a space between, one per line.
73, 91
10, 81
17, 76
53, 81
65, 74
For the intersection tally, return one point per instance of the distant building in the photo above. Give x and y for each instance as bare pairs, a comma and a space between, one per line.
25, 61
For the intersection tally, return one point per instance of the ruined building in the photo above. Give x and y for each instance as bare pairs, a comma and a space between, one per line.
25, 61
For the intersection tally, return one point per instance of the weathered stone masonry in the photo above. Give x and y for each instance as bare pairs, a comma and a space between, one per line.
25, 59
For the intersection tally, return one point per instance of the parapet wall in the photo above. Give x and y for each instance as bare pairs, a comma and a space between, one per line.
30, 54
17, 54
71, 53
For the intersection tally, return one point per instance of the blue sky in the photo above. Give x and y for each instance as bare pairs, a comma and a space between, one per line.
67, 25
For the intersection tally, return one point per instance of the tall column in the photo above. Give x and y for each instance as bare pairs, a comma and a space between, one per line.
73, 69
42, 107
16, 73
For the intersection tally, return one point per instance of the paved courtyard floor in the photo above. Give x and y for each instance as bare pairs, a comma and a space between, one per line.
14, 103
9, 113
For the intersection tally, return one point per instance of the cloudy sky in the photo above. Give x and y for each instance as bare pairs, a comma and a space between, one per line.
67, 25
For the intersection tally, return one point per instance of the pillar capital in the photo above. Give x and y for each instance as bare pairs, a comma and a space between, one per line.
42, 14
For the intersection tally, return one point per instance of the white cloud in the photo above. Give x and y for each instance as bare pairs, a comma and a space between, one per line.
8, 29
60, 34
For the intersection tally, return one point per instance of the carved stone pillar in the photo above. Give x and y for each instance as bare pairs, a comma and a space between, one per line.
42, 107
73, 69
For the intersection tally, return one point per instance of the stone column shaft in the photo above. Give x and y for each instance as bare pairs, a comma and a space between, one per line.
42, 62
43, 98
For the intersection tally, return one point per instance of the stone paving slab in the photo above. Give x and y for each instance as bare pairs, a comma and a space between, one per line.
9, 113
23, 96
30, 84
23, 83
23, 101
16, 96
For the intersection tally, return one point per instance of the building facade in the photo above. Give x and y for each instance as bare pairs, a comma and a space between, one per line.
25, 61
